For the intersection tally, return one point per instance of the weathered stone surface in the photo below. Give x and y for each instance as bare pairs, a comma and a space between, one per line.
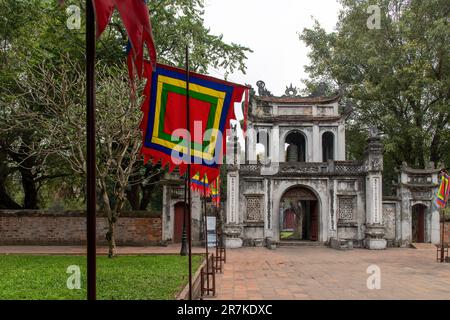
233, 243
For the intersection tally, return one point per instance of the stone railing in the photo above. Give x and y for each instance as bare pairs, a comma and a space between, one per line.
250, 169
349, 167
309, 168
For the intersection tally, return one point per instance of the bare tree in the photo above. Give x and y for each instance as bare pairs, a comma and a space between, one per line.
61, 93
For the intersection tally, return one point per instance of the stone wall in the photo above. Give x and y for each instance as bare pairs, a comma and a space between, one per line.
69, 228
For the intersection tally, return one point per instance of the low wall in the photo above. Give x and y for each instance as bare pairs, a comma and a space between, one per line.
69, 228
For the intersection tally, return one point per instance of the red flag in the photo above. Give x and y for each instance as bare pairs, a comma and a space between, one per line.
103, 11
211, 109
135, 17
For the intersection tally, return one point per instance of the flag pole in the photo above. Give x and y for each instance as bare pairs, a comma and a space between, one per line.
189, 173
206, 234
90, 159
442, 234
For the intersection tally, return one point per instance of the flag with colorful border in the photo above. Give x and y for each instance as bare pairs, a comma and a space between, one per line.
443, 191
215, 192
200, 185
211, 106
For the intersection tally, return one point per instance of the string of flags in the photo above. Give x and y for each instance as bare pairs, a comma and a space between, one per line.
207, 189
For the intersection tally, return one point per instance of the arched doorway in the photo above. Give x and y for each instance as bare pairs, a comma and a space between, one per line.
295, 144
299, 217
178, 222
327, 146
418, 223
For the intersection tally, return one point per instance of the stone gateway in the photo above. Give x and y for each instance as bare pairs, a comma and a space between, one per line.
290, 182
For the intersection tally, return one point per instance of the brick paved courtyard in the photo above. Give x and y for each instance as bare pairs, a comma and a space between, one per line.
323, 273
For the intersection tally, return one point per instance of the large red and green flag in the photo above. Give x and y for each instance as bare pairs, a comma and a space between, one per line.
166, 135
443, 191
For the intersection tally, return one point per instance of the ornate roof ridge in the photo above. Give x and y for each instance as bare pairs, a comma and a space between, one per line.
300, 99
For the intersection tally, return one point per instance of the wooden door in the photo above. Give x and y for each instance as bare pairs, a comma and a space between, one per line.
178, 222
418, 224
314, 221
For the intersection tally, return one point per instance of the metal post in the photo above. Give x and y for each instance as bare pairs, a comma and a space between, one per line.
206, 234
188, 119
183, 251
90, 159
442, 235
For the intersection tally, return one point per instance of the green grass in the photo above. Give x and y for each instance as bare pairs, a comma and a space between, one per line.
286, 234
157, 277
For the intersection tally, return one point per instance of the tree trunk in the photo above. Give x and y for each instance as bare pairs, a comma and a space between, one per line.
29, 188
110, 236
133, 197
146, 197
6, 202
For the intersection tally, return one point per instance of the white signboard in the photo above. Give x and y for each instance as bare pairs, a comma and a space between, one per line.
211, 224
211, 231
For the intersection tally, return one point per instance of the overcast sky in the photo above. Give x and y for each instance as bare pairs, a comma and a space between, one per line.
270, 28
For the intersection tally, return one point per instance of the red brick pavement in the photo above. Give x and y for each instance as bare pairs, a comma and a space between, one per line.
323, 273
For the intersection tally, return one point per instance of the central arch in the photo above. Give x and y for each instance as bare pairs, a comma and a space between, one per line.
295, 147
299, 215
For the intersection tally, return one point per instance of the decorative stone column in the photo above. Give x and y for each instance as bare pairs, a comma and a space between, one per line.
251, 144
233, 226
316, 144
375, 230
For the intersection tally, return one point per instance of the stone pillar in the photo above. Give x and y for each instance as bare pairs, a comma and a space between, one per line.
233, 226
316, 144
375, 230
275, 144
405, 208
435, 212
251, 147
340, 143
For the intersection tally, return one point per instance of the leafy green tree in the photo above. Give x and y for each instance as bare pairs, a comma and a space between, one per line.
397, 77
33, 33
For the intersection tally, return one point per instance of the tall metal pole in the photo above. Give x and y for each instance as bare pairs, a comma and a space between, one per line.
442, 234
188, 121
90, 159
206, 234
183, 251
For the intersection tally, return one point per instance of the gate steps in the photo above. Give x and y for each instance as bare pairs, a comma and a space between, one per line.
300, 243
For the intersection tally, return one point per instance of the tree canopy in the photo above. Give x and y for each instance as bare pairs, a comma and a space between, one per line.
397, 76
37, 45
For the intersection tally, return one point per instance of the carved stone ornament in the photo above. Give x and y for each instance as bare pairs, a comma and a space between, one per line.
262, 91
291, 91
